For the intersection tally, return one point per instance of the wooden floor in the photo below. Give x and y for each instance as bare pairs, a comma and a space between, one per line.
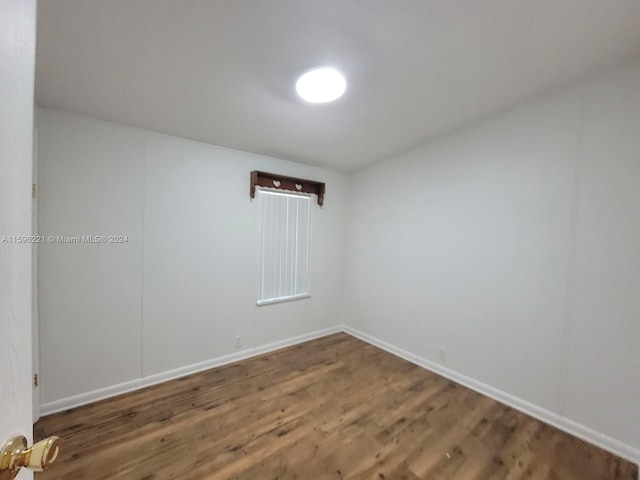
328, 409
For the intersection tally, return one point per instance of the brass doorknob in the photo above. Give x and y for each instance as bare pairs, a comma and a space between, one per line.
15, 455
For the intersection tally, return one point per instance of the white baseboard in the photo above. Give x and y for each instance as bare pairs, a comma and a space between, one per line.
563, 423
603, 441
132, 385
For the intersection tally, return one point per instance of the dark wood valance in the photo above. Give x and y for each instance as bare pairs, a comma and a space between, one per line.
281, 182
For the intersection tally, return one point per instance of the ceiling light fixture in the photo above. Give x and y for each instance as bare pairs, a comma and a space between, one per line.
321, 85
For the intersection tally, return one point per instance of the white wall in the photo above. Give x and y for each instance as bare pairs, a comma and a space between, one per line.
511, 245
514, 246
184, 285
603, 347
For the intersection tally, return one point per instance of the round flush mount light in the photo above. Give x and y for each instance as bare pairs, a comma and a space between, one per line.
321, 85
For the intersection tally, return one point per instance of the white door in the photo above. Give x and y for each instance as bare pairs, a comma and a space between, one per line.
17, 58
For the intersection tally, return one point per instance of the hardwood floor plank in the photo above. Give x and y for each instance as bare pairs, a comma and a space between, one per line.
332, 408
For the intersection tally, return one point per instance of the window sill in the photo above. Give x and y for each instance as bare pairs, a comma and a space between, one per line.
271, 301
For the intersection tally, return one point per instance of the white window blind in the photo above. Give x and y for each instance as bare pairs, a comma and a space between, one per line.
285, 238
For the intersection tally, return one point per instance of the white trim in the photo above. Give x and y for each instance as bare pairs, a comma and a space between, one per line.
573, 428
271, 301
563, 423
132, 385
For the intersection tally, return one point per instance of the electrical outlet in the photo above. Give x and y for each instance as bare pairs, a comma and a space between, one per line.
442, 355
238, 341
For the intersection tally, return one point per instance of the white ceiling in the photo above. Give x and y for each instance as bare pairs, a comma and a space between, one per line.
223, 71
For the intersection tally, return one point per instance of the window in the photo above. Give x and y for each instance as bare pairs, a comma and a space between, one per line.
284, 246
